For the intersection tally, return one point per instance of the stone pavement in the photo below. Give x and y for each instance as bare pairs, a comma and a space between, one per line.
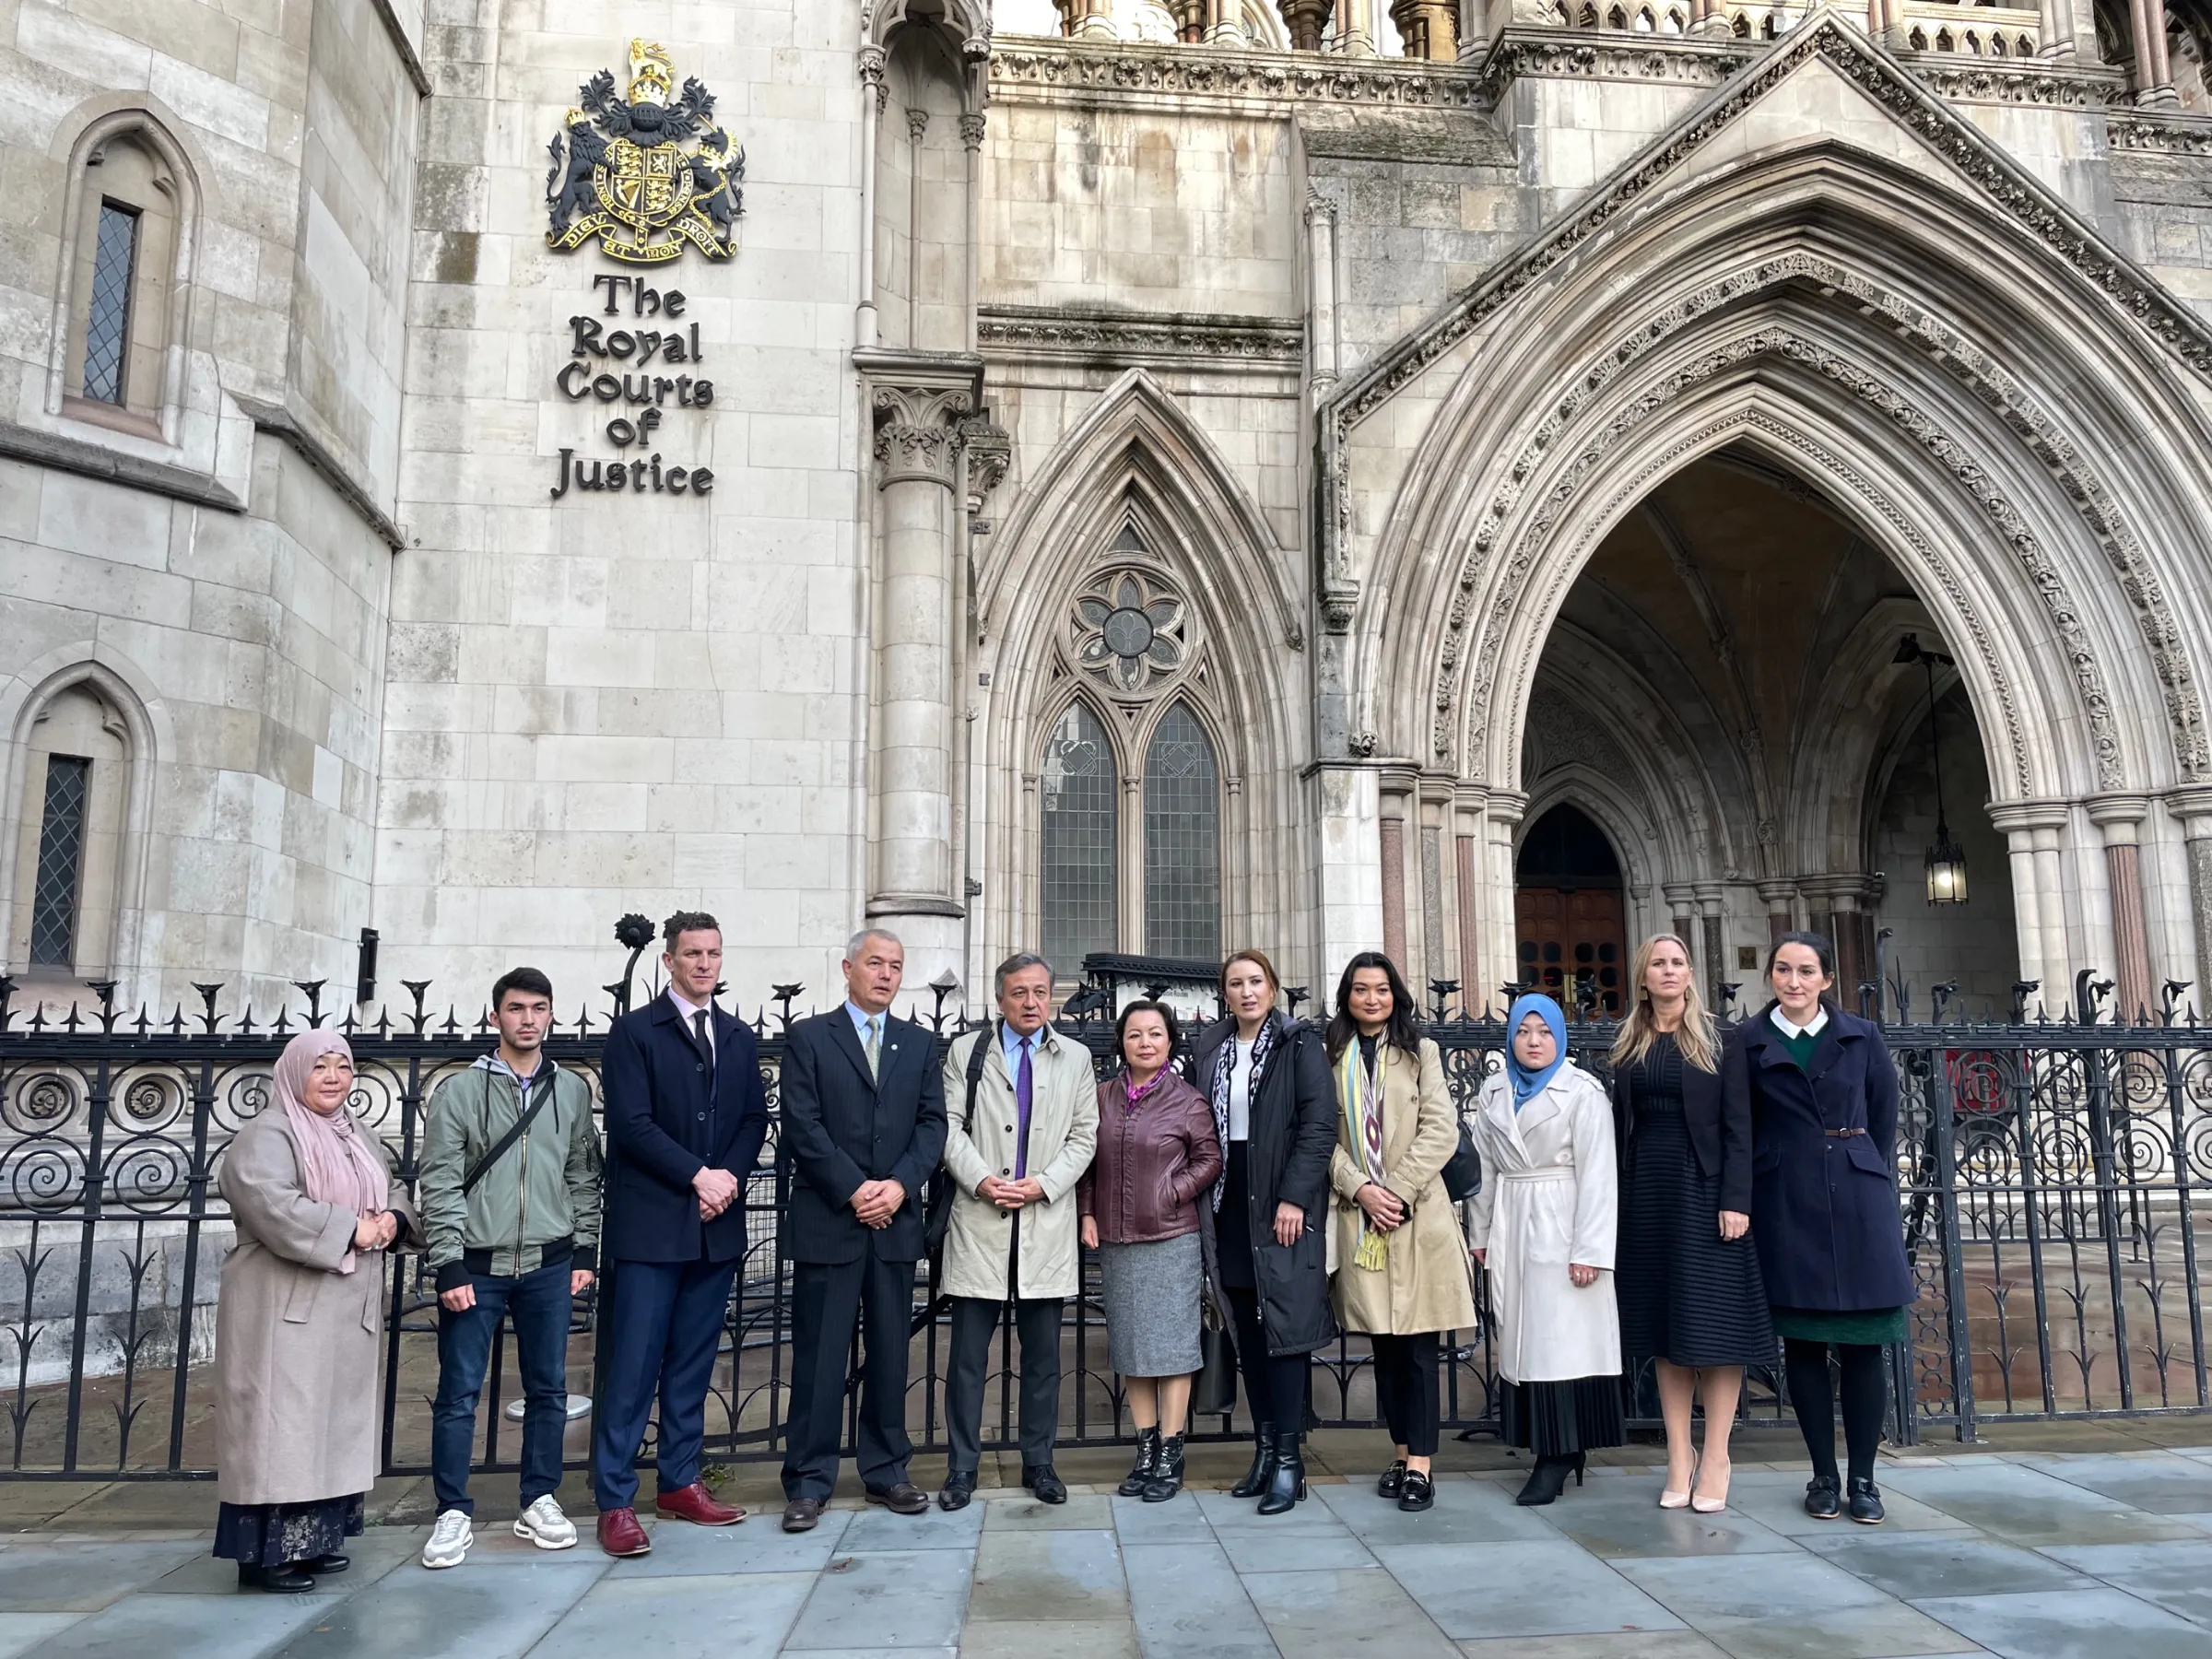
2031, 1554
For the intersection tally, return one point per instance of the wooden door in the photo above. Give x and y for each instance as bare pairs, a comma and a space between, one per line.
1569, 932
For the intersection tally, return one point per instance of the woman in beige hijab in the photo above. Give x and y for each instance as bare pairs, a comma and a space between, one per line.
297, 1329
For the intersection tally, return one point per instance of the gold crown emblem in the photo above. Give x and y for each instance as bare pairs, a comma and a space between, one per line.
652, 73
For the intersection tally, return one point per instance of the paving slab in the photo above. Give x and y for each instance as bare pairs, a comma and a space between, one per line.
2014, 1500
1884, 1630
891, 1599
1178, 1521
872, 1529
755, 1547
1703, 1588
1083, 1512
23, 1633
1631, 1525
2158, 1482
1188, 1603
189, 1627
1048, 1575
1061, 1639
2177, 1577
2099, 1623
1907, 1565
1466, 1511
84, 1577
731, 1615
1553, 1588
486, 1615
1618, 1645
1344, 1611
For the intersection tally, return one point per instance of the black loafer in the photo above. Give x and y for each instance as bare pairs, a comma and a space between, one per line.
286, 1580
1045, 1484
959, 1487
1865, 1503
324, 1566
1393, 1482
1420, 1491
1823, 1499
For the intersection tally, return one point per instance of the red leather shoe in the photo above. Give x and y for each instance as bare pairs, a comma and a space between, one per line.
697, 1505
619, 1534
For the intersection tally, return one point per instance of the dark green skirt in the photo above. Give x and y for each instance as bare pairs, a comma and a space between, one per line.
1871, 1327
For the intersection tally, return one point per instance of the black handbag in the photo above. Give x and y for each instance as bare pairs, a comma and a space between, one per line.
1463, 1169
1213, 1389
936, 1218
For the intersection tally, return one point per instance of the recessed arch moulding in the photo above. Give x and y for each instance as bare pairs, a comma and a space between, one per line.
2020, 442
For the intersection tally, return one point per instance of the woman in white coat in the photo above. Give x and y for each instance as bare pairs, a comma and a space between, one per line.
1543, 1226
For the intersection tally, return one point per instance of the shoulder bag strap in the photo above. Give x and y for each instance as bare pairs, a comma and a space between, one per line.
541, 1095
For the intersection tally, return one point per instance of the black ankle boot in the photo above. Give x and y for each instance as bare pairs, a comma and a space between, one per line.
1548, 1479
1287, 1479
1147, 1459
1261, 1473
1166, 1473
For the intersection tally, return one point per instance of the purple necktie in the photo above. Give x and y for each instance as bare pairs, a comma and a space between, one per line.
1024, 1086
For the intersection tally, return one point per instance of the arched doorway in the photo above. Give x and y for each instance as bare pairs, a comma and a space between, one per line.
1569, 911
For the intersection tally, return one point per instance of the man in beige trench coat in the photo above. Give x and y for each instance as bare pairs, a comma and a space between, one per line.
1013, 1236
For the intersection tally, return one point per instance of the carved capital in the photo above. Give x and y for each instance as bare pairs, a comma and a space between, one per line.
871, 66
1339, 599
917, 123
990, 453
971, 131
918, 433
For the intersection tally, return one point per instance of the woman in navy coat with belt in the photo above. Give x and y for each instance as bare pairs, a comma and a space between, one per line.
1822, 1096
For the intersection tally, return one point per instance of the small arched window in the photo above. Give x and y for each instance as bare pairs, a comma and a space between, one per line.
1183, 841
121, 276
1080, 895
68, 861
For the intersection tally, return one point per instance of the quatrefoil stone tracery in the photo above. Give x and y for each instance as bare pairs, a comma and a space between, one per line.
1129, 631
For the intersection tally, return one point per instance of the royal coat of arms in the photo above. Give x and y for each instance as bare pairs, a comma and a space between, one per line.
622, 171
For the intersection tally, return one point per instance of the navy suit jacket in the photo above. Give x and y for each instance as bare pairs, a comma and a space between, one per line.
671, 1111
841, 1127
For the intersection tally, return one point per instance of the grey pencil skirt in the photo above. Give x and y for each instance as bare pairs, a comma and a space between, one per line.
1151, 1296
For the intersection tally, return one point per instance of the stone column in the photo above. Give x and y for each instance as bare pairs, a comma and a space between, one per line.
1466, 846
1306, 19
872, 96
2031, 837
2154, 79
1712, 901
919, 400
2194, 808
1085, 17
1502, 813
1356, 28
1682, 912
2121, 818
1346, 805
1781, 905
1394, 879
1429, 28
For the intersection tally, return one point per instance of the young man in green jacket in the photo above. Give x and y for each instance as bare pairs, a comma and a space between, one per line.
509, 1201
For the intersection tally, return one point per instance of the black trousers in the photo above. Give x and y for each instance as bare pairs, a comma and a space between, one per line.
827, 1301
974, 1321
1274, 1388
1406, 1389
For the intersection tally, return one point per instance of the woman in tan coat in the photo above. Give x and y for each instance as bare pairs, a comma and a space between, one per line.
297, 1327
1400, 1265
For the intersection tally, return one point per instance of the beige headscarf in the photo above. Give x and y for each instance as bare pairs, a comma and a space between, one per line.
338, 1165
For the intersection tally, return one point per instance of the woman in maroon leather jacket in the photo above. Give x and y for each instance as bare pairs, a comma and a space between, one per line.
1158, 1157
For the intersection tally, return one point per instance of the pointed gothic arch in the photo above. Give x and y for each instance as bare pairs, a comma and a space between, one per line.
1135, 489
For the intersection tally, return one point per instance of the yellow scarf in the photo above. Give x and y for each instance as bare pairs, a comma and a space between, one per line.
1362, 1099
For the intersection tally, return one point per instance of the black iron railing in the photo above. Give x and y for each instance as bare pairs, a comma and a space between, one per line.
2050, 1175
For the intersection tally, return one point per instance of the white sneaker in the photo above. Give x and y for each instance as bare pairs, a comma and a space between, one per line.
450, 1540
546, 1526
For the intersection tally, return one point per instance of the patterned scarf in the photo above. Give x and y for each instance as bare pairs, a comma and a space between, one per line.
1133, 1096
1361, 1092
1225, 1067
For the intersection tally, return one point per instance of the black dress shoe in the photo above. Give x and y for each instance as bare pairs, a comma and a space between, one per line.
286, 1580
959, 1487
1393, 1482
1045, 1484
324, 1566
904, 1497
802, 1515
1419, 1493
1823, 1500
1866, 1501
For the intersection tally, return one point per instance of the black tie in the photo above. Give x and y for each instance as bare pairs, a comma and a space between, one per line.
699, 1022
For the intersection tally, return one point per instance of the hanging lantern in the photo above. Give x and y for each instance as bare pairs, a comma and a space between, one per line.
1946, 858
1946, 869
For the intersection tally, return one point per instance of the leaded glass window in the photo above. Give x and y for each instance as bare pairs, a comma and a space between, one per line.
1079, 892
1183, 841
61, 858
108, 328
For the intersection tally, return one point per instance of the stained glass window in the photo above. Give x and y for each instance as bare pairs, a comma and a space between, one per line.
108, 328
61, 855
1079, 892
1183, 841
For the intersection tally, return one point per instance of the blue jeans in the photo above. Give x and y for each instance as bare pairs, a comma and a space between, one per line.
538, 1304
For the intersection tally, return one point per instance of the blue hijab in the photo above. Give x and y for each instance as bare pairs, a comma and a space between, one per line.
1526, 1084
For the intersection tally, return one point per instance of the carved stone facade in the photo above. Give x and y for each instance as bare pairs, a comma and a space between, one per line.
1363, 430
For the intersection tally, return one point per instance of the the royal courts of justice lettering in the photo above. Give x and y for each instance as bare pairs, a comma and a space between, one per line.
1487, 481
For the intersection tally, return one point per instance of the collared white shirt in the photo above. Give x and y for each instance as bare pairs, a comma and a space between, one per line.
690, 1011
1817, 1024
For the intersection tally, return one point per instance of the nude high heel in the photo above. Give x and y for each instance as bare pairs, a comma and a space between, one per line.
1671, 1499
1713, 1505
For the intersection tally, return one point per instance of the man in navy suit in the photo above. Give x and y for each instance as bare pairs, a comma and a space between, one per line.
686, 1117
863, 1126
